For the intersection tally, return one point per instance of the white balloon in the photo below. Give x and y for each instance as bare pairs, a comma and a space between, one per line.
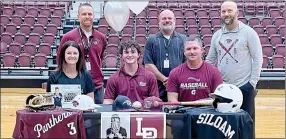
116, 14
137, 6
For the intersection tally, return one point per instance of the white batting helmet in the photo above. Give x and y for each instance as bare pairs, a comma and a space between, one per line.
228, 98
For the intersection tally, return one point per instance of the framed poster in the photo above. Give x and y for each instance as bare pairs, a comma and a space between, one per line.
65, 93
115, 125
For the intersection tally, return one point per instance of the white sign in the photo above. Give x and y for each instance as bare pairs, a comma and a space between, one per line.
115, 125
67, 92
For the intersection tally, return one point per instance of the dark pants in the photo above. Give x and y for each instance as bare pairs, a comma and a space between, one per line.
99, 95
162, 91
249, 93
248, 104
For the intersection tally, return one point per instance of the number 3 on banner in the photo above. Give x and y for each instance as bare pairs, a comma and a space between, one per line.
73, 129
193, 92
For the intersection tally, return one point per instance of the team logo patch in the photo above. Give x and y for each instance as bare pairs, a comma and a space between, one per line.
147, 125
95, 42
228, 40
142, 83
75, 103
127, 102
193, 78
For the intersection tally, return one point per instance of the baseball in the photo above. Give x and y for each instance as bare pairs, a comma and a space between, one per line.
155, 103
137, 105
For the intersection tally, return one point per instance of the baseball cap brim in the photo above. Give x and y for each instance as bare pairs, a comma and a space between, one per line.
96, 106
143, 110
86, 109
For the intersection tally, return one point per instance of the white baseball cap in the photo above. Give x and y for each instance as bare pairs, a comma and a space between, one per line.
84, 102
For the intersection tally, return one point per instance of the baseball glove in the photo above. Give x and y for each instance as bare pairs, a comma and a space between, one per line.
40, 102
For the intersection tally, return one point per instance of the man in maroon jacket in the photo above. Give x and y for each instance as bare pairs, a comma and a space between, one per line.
93, 44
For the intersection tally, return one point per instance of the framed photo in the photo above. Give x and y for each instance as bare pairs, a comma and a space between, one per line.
115, 125
66, 93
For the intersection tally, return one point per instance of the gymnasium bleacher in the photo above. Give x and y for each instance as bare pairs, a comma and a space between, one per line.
31, 33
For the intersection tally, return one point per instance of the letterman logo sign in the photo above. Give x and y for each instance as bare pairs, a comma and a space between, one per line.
145, 132
148, 125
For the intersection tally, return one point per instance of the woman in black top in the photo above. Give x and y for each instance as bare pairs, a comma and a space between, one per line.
71, 70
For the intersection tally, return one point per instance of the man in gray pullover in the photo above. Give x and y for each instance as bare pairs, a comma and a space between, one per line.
236, 50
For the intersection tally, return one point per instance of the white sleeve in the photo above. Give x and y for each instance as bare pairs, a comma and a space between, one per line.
212, 54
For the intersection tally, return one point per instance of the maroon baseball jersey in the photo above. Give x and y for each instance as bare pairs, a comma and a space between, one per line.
194, 84
138, 87
95, 53
150, 125
57, 123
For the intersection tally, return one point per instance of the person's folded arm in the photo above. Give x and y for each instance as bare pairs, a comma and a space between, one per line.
157, 73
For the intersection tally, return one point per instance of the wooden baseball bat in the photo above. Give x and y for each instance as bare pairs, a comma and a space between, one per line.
186, 103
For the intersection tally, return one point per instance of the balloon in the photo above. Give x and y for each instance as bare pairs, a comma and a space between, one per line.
137, 6
116, 14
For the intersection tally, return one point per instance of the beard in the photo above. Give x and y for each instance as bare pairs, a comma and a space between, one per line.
229, 21
167, 28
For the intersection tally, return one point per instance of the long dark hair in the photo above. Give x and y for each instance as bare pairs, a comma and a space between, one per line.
62, 61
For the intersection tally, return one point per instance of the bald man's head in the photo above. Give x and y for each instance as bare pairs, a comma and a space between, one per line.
229, 3
166, 12
167, 21
229, 12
